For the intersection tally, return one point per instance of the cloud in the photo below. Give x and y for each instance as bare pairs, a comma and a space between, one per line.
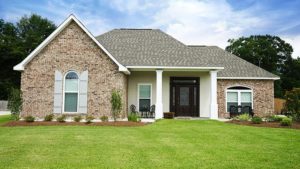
295, 42
205, 22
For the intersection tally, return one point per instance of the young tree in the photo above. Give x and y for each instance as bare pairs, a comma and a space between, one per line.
116, 104
15, 103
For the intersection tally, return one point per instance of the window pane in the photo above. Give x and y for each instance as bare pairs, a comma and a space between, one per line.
246, 97
71, 102
145, 91
144, 105
246, 104
184, 95
71, 85
71, 75
231, 104
232, 97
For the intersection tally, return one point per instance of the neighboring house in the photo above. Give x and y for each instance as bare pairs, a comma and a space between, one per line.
74, 72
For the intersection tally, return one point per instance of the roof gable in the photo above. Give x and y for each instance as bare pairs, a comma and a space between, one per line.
21, 66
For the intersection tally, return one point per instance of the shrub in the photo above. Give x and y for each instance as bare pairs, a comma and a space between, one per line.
29, 119
243, 117
89, 119
256, 120
61, 118
77, 118
116, 103
276, 118
292, 105
15, 103
104, 118
48, 117
286, 121
133, 117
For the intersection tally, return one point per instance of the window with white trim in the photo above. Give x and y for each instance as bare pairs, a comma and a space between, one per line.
239, 96
144, 97
71, 92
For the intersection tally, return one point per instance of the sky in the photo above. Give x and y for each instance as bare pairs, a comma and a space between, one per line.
193, 22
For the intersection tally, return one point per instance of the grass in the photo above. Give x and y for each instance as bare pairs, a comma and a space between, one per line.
164, 144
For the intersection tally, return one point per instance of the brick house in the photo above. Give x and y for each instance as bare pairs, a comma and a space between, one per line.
73, 72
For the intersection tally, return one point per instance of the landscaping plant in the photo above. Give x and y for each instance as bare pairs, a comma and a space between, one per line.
256, 120
15, 103
243, 117
116, 104
29, 119
286, 121
133, 117
292, 105
89, 119
61, 118
48, 117
77, 118
104, 118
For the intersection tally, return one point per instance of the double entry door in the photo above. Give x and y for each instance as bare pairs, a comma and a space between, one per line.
184, 96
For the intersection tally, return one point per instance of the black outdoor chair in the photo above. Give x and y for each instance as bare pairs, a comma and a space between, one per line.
152, 111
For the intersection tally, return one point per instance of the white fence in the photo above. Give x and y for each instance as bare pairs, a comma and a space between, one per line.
3, 105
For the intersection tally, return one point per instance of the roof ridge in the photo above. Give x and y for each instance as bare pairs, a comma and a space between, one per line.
136, 29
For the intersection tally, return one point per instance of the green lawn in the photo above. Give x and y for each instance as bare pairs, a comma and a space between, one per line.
164, 144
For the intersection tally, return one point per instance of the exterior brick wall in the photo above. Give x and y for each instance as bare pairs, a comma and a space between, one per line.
72, 49
263, 95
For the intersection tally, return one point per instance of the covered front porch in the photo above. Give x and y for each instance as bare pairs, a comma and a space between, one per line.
186, 92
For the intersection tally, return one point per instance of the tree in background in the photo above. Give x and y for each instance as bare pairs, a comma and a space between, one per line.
17, 41
272, 54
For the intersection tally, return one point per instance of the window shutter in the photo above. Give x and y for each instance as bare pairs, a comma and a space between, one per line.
58, 92
83, 85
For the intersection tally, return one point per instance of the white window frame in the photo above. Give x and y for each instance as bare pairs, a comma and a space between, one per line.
64, 92
138, 94
239, 91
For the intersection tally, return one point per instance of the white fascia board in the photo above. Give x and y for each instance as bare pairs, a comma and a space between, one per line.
251, 78
173, 68
61, 27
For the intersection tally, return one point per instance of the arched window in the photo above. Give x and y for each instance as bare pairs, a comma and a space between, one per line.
239, 96
71, 92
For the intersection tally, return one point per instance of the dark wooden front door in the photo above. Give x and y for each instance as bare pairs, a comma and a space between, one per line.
184, 100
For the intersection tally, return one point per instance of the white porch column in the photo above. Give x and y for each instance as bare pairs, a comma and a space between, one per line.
213, 95
159, 104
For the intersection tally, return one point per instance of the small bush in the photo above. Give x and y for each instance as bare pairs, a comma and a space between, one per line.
275, 118
104, 118
243, 117
77, 118
256, 120
48, 117
286, 121
29, 119
61, 118
89, 119
133, 117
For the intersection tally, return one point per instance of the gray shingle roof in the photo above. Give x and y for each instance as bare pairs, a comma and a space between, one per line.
152, 47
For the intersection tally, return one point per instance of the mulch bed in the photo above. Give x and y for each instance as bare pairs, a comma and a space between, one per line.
295, 125
54, 123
